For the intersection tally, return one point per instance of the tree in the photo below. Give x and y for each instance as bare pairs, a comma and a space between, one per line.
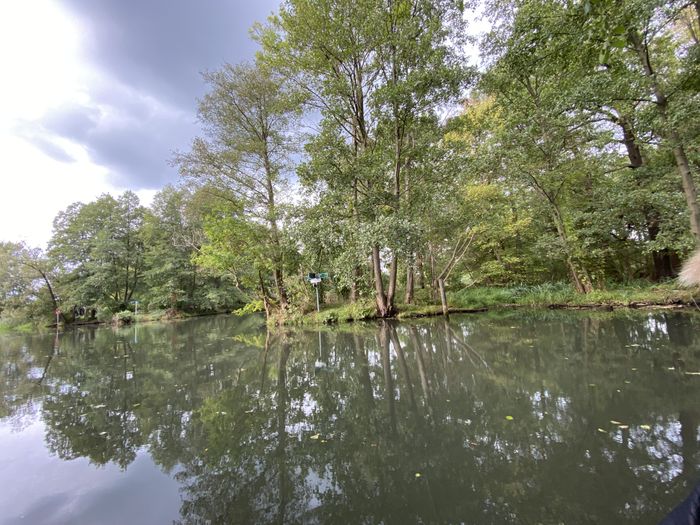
244, 159
644, 32
373, 70
98, 252
25, 275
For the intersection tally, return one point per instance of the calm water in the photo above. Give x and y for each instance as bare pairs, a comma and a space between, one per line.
510, 418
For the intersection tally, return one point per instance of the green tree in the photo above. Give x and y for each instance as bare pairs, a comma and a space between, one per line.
98, 251
373, 69
248, 116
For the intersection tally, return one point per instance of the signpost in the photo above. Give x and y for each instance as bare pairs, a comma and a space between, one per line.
315, 279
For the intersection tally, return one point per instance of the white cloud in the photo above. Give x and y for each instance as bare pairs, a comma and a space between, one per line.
40, 53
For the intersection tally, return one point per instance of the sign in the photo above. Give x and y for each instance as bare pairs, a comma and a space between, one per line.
322, 276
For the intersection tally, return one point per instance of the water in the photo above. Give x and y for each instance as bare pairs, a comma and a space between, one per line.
529, 418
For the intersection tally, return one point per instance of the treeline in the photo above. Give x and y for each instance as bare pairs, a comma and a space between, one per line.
574, 157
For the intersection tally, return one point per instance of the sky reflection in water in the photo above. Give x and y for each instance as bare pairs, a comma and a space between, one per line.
545, 417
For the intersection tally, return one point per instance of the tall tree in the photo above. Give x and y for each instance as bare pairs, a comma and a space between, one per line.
371, 68
245, 156
98, 252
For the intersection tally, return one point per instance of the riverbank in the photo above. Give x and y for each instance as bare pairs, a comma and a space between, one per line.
473, 300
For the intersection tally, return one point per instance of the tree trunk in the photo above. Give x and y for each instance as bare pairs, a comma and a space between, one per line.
391, 291
382, 305
579, 276
408, 299
433, 276
421, 271
443, 297
670, 134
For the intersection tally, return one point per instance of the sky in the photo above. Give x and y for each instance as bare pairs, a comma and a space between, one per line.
97, 95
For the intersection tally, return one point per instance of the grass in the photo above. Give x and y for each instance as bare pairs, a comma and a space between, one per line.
329, 314
547, 294
634, 294
16, 327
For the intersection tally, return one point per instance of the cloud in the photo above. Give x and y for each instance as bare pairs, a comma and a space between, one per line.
140, 101
130, 133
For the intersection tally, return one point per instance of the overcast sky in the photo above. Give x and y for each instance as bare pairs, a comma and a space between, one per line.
97, 94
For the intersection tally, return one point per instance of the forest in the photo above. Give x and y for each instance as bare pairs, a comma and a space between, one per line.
365, 142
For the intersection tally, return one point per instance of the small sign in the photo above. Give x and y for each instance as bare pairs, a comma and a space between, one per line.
320, 276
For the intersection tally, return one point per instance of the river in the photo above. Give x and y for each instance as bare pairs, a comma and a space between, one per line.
512, 417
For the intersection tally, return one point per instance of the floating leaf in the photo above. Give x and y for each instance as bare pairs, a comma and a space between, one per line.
671, 368
623, 427
603, 431
136, 405
634, 369
591, 384
692, 373
99, 406
250, 411
615, 422
628, 382
418, 474
509, 418
324, 441
315, 436
645, 427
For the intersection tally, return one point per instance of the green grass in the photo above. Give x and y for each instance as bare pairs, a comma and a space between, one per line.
547, 294
16, 327
534, 296
329, 314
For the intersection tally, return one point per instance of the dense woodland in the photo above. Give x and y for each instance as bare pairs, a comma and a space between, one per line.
361, 142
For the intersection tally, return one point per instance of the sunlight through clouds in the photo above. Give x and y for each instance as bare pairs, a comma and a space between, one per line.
42, 173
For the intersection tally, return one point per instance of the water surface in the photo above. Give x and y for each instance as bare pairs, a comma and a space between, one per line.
546, 417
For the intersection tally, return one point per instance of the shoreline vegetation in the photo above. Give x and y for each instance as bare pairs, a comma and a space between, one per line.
472, 300
480, 299
568, 164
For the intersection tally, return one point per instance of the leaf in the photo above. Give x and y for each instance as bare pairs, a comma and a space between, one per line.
645, 427
603, 431
692, 373
315, 436
418, 474
615, 422
619, 43
623, 427
509, 418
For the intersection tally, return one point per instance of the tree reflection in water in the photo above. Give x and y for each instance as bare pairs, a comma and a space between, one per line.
544, 417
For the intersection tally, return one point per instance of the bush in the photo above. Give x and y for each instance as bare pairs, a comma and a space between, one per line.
123, 317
